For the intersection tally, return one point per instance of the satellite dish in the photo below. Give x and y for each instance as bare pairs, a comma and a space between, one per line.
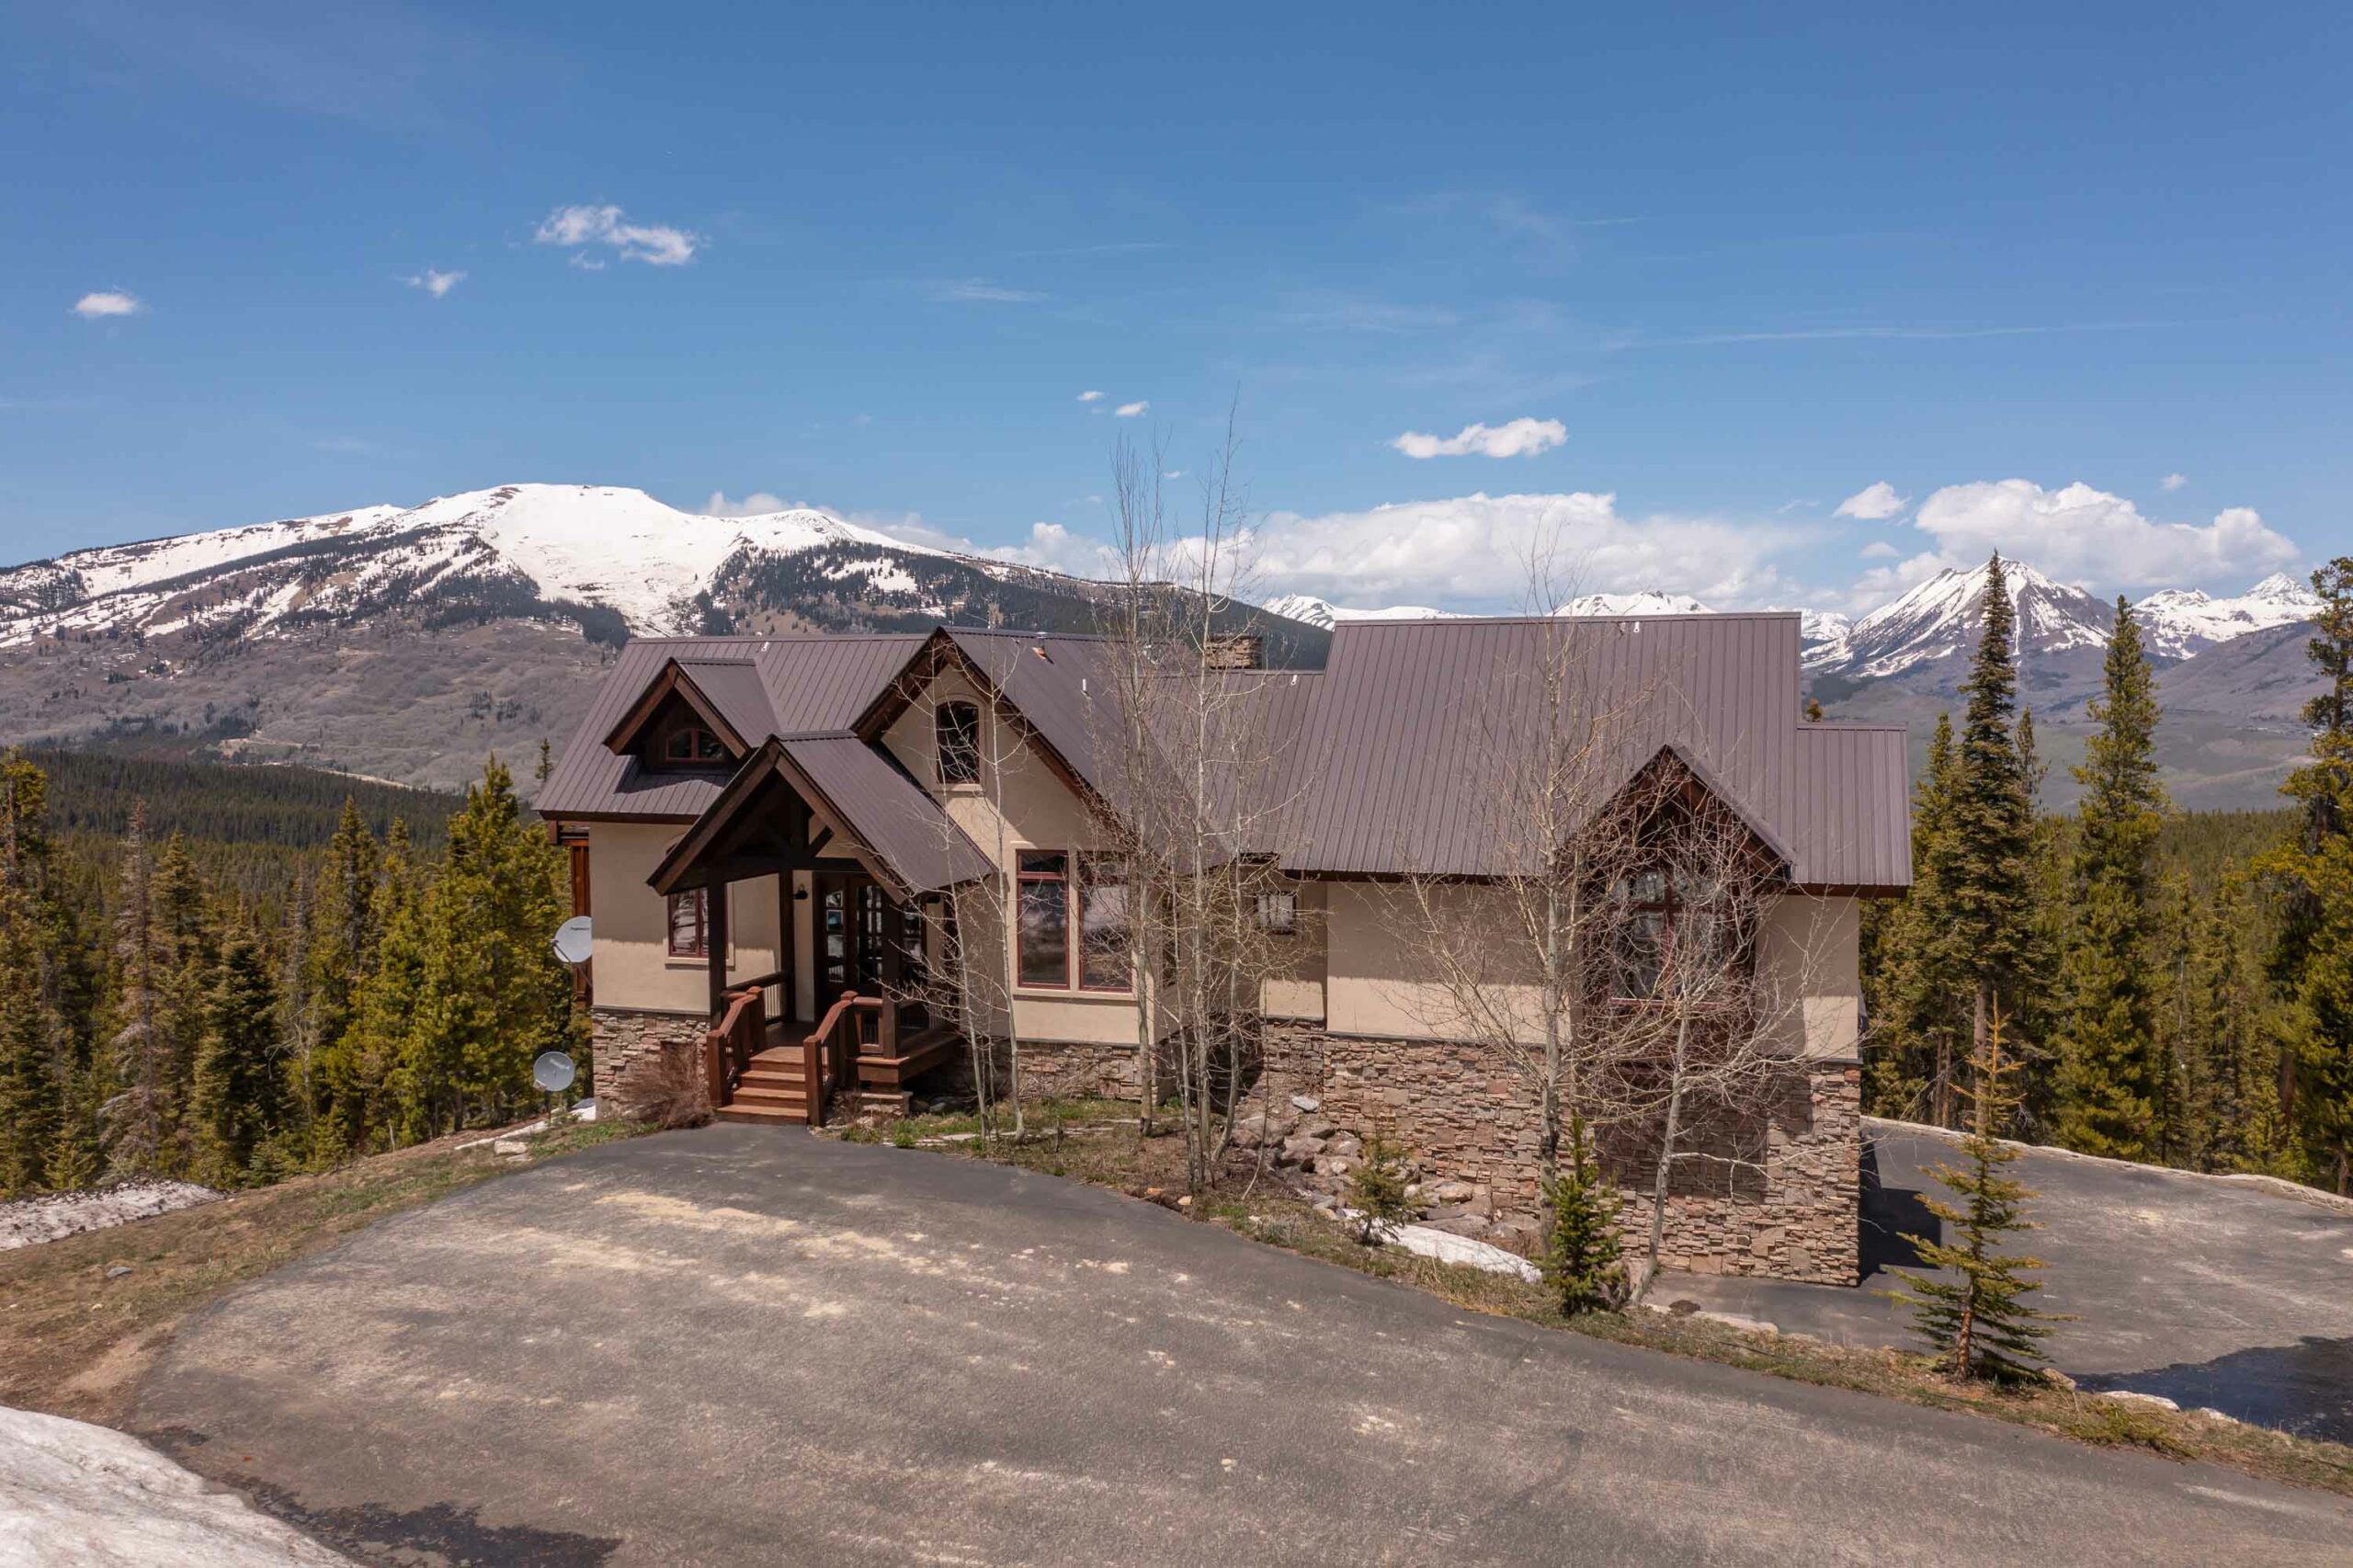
552, 1071
572, 943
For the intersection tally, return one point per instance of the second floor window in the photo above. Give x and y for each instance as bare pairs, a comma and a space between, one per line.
1045, 918
692, 743
956, 728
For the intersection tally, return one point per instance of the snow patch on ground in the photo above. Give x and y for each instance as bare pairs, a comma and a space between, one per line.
1448, 1248
74, 1494
55, 1214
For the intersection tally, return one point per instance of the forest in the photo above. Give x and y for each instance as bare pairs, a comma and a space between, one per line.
232, 974
2177, 988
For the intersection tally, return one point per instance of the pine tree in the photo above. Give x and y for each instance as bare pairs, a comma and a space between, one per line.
137, 1109
32, 1098
1377, 1192
1912, 968
1977, 1319
2110, 1079
2312, 960
1583, 1257
240, 1091
1991, 829
356, 1065
2233, 1113
183, 974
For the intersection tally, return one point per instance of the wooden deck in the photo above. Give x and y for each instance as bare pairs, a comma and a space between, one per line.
772, 1085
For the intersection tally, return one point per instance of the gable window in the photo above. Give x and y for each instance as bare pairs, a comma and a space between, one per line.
1103, 917
1045, 918
692, 743
956, 726
689, 924
1670, 925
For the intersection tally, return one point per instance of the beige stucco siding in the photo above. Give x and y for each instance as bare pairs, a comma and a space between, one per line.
1814, 945
631, 923
1295, 988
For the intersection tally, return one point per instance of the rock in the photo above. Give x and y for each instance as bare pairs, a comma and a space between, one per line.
1682, 1307
1458, 1224
1314, 1127
117, 1271
1335, 1165
1450, 1192
2127, 1396
1306, 1102
2210, 1413
1299, 1150
1735, 1320
2057, 1378
510, 1146
1346, 1144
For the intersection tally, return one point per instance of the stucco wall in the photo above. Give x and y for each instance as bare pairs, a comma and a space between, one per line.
631, 924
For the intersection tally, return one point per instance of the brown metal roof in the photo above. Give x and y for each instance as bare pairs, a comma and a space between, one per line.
893, 816
1415, 721
733, 687
1850, 814
809, 683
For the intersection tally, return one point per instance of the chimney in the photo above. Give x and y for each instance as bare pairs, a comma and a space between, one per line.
1244, 652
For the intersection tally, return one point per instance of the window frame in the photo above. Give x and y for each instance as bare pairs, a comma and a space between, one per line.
703, 748
1287, 900
965, 746
700, 899
1080, 884
1025, 878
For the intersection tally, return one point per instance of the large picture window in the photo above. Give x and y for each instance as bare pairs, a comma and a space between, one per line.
1045, 918
690, 924
1103, 917
956, 728
1670, 935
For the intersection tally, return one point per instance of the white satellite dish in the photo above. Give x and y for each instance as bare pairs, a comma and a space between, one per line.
572, 943
552, 1071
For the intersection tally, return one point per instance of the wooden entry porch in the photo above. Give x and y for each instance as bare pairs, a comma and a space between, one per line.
859, 1057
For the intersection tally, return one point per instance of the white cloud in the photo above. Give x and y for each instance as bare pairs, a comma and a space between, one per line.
1090, 395
653, 244
1514, 439
2080, 534
980, 291
1132, 410
2173, 481
1880, 550
107, 302
759, 503
434, 282
1873, 503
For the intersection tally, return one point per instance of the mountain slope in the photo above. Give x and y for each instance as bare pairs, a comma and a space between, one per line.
2180, 622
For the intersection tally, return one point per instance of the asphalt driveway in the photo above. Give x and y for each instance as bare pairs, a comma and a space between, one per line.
745, 1345
2220, 1294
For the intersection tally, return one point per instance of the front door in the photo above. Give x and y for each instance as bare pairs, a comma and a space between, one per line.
853, 926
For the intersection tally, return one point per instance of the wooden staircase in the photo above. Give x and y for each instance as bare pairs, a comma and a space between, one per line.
773, 1089
856, 1054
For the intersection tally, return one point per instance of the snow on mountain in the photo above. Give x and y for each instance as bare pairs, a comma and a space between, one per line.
617, 548
2179, 622
1940, 618
1650, 601
1324, 614
1823, 633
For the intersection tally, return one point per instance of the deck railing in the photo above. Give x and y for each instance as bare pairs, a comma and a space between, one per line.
738, 1032
853, 1026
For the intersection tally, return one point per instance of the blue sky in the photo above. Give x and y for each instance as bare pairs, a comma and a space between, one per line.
1730, 270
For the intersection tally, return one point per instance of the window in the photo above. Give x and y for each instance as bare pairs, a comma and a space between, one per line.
1666, 924
692, 743
956, 726
1045, 917
1103, 925
1279, 914
690, 924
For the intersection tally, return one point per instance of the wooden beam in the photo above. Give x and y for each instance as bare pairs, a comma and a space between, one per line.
715, 941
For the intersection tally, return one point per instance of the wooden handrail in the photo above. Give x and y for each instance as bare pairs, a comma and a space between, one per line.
732, 1042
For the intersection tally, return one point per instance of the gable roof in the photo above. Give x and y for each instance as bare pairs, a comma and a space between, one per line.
810, 684
726, 694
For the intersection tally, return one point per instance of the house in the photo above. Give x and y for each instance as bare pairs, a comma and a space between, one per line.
784, 842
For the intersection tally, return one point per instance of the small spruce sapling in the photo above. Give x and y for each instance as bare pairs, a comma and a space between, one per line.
1978, 1319
1581, 1261
1377, 1192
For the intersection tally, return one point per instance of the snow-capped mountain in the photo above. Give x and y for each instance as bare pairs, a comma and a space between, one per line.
1940, 618
618, 550
1650, 601
2179, 622
1324, 613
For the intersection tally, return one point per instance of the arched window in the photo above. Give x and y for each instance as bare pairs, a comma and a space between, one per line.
956, 726
692, 743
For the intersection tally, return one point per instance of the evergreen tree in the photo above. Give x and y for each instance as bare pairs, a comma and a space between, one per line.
1583, 1261
138, 1107
1992, 822
2232, 1111
1377, 1192
239, 1092
184, 972
31, 1101
2110, 1080
1912, 966
1978, 1320
355, 1065
2312, 960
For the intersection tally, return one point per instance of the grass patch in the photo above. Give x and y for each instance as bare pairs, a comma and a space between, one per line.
1253, 1204
74, 1341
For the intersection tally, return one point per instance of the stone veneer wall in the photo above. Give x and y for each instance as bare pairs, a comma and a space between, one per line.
1054, 1070
623, 1035
1474, 1120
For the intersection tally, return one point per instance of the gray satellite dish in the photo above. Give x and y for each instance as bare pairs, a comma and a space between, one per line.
572, 943
552, 1071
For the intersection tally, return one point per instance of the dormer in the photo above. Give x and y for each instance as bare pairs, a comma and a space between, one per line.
695, 716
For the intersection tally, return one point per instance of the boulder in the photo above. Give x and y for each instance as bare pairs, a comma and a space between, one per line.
1449, 1192
2127, 1396
1299, 1150
1346, 1144
1306, 1102
1314, 1127
1335, 1165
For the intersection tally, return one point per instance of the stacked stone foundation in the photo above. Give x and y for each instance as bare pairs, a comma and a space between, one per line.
1773, 1189
624, 1036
